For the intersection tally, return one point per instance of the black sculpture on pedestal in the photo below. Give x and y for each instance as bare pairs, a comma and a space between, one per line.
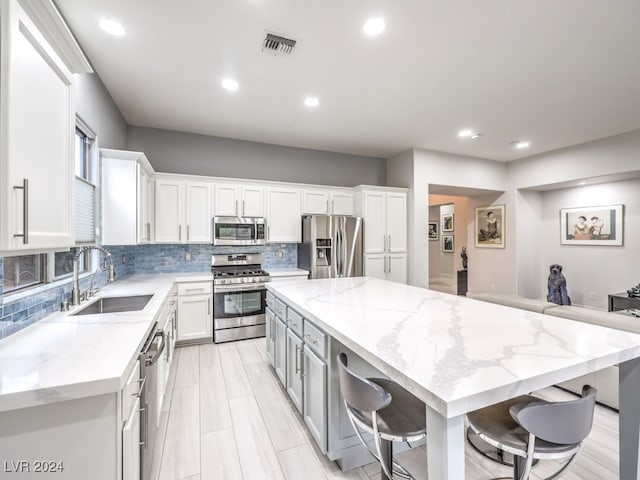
463, 254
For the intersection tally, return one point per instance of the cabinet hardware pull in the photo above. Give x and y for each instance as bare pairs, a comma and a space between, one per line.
179, 233
209, 306
25, 211
297, 355
389, 242
188, 235
328, 207
236, 207
194, 289
243, 208
302, 372
389, 264
384, 241
333, 207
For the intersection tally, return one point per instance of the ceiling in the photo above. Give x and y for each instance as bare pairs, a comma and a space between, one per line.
556, 73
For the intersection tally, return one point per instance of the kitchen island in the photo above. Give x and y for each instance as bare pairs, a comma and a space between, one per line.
458, 354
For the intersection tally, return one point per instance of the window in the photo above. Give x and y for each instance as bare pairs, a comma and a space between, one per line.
63, 263
82, 150
85, 204
22, 272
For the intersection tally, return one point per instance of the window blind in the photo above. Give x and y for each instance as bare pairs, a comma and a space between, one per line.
85, 214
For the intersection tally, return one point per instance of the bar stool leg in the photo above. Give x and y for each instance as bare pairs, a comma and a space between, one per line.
386, 449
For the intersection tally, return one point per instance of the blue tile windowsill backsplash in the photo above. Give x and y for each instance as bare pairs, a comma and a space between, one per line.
24, 310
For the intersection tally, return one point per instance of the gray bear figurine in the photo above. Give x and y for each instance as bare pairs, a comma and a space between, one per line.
557, 286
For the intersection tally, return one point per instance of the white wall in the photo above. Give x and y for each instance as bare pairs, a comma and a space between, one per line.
598, 269
425, 167
609, 156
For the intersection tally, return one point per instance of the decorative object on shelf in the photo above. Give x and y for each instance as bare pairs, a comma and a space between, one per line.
447, 222
463, 254
557, 286
447, 243
600, 225
433, 231
490, 221
634, 291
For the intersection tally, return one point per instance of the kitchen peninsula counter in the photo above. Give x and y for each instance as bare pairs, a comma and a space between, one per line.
458, 354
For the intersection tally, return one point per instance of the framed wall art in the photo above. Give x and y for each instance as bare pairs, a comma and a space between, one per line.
447, 222
433, 231
600, 225
490, 226
447, 243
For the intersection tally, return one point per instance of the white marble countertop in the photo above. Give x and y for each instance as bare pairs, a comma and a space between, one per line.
287, 272
456, 354
63, 357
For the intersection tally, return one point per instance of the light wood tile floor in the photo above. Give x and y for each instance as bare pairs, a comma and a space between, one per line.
225, 416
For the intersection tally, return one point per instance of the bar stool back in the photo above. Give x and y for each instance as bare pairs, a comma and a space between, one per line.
383, 409
537, 429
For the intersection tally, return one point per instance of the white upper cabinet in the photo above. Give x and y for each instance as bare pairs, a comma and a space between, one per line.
37, 124
326, 202
385, 220
169, 210
284, 215
127, 198
238, 200
183, 210
198, 212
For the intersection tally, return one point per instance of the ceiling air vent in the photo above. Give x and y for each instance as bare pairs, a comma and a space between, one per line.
278, 45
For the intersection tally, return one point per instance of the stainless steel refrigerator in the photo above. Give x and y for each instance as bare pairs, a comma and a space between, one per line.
331, 246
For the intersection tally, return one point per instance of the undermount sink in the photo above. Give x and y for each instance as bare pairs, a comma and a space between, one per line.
131, 303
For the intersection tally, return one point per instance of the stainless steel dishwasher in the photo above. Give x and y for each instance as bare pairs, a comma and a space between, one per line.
151, 352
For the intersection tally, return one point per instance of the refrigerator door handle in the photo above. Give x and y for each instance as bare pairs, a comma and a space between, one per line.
345, 273
339, 250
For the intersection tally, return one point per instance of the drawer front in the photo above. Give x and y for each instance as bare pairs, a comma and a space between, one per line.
131, 391
194, 288
315, 338
271, 300
281, 309
294, 320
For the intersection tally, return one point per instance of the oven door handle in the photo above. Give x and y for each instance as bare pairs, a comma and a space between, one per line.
238, 288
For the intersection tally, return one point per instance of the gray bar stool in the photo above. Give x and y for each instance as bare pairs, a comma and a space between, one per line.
384, 409
530, 428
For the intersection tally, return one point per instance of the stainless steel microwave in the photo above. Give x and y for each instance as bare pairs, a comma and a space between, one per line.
238, 231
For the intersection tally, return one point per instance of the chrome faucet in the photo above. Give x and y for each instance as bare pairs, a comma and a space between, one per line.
76, 296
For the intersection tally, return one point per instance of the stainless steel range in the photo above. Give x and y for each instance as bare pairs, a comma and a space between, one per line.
239, 296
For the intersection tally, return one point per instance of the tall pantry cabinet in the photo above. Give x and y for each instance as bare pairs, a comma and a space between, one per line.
37, 125
384, 211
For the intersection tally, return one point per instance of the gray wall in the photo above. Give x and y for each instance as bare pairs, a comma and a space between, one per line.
178, 152
95, 106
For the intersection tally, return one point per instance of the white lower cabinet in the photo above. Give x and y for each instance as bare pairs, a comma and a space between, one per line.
314, 390
281, 350
294, 368
270, 319
131, 445
194, 316
387, 266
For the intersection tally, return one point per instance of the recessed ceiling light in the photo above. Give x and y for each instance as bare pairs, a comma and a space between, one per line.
582, 183
311, 101
374, 26
230, 84
520, 144
112, 27
467, 133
